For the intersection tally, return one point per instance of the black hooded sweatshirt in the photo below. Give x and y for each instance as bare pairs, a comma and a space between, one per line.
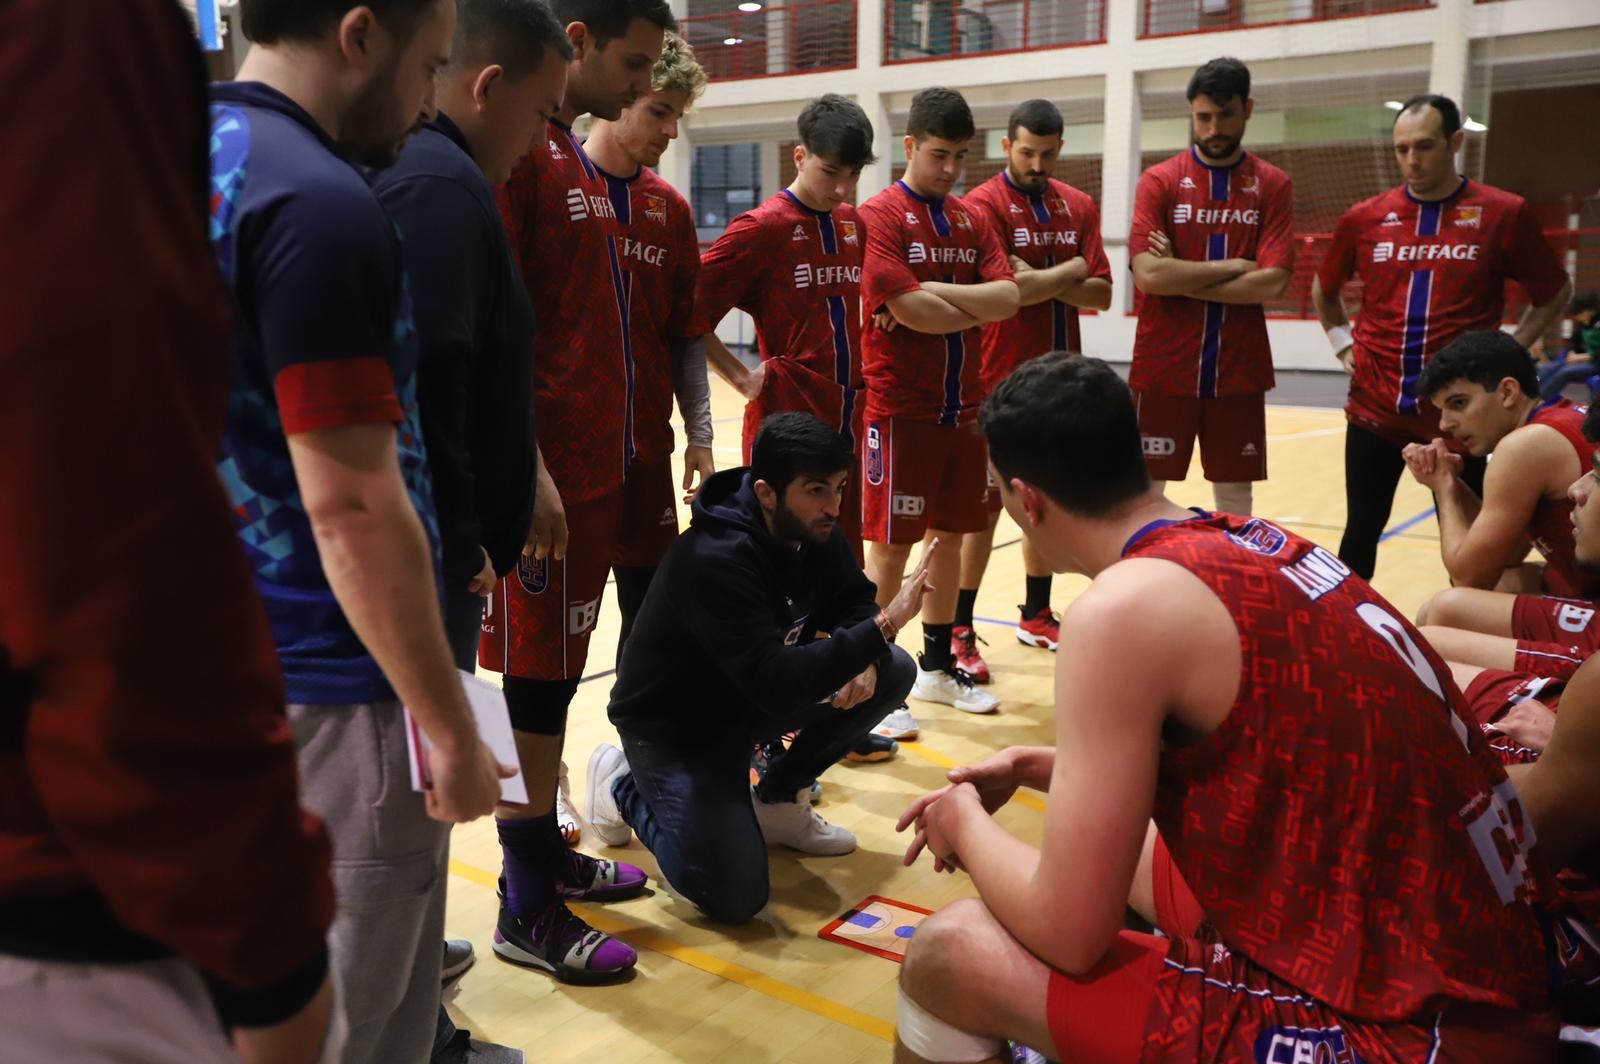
727, 635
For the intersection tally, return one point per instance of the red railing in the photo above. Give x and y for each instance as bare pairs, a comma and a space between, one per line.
773, 39
918, 30
1169, 18
1579, 248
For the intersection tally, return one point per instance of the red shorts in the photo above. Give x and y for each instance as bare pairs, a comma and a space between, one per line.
1494, 691
648, 524
777, 397
1554, 635
921, 475
1232, 432
539, 619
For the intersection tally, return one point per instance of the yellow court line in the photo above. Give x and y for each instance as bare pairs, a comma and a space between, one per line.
920, 749
653, 940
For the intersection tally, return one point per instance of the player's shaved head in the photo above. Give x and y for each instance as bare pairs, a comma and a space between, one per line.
1430, 104
269, 22
516, 35
1066, 424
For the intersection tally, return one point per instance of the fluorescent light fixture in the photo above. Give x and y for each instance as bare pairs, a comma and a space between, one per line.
1394, 105
1472, 125
733, 40
749, 5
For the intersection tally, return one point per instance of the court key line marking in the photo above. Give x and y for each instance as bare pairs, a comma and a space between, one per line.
652, 939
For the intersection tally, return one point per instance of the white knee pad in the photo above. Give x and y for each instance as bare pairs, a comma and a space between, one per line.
1233, 497
932, 1039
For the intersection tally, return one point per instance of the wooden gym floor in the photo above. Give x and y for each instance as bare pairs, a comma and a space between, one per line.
774, 991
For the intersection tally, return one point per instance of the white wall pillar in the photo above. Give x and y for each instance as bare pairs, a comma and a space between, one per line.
1119, 173
768, 173
677, 163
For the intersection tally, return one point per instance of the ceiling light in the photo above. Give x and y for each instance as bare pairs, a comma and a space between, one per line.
733, 40
1472, 125
1394, 105
749, 5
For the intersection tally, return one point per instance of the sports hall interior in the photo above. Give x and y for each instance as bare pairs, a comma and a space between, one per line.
1327, 78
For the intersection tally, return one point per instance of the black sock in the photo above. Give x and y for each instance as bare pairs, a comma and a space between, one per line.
966, 600
1038, 596
936, 647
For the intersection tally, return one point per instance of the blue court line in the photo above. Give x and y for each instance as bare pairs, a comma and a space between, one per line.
1403, 525
991, 620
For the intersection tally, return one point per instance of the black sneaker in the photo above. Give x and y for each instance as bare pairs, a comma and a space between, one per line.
557, 941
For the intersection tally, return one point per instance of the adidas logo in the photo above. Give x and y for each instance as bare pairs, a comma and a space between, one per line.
1249, 451
799, 233
1391, 219
577, 205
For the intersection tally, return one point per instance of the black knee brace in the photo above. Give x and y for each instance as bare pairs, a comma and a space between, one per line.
539, 707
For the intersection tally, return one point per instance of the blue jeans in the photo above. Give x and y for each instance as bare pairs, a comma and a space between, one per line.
689, 802
1555, 376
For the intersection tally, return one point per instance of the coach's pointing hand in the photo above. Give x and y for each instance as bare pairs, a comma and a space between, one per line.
908, 603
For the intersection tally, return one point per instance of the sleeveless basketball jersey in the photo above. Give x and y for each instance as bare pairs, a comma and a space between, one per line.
1343, 827
1551, 527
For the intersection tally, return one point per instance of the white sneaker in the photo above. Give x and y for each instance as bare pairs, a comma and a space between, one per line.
606, 766
899, 725
798, 826
566, 813
954, 688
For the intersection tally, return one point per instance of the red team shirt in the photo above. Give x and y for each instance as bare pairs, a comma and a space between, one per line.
1187, 346
797, 272
1430, 272
1055, 226
558, 211
1551, 527
1344, 828
661, 256
911, 239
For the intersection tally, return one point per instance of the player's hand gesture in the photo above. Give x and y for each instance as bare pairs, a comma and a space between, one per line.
547, 538
697, 461
466, 780
483, 583
936, 816
1347, 359
1160, 246
858, 690
1529, 723
1432, 464
1018, 266
907, 602
885, 321
995, 778
751, 383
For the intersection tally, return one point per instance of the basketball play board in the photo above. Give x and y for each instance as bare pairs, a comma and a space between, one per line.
877, 925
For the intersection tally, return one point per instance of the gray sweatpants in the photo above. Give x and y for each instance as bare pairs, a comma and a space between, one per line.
389, 870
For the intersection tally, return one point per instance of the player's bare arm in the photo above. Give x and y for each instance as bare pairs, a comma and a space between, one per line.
1042, 284
1259, 285
985, 301
1158, 273
1089, 293
923, 311
726, 364
1478, 538
1538, 320
378, 563
547, 536
1558, 791
1064, 909
1335, 322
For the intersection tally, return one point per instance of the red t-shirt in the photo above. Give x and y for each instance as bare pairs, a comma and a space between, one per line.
564, 232
911, 239
797, 272
1344, 827
1430, 272
1551, 527
1057, 225
1187, 346
662, 256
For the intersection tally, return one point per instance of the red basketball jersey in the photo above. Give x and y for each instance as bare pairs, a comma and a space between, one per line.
1187, 346
564, 232
661, 255
797, 272
911, 239
1551, 527
1344, 827
1056, 225
1430, 272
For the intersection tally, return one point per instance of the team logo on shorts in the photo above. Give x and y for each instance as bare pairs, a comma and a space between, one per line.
907, 505
1573, 617
1260, 537
1159, 446
1304, 1045
533, 575
874, 455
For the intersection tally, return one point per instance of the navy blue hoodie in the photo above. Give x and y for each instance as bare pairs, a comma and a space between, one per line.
726, 637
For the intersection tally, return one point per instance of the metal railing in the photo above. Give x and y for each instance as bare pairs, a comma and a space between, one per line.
915, 30
763, 40
1167, 18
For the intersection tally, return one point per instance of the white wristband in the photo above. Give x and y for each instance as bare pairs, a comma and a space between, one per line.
1340, 337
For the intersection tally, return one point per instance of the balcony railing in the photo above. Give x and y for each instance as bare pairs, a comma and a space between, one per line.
1165, 18
735, 40
942, 29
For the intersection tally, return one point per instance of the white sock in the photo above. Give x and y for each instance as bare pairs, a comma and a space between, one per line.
932, 1039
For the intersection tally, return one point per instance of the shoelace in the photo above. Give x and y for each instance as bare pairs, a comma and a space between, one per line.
559, 928
581, 869
962, 678
969, 640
